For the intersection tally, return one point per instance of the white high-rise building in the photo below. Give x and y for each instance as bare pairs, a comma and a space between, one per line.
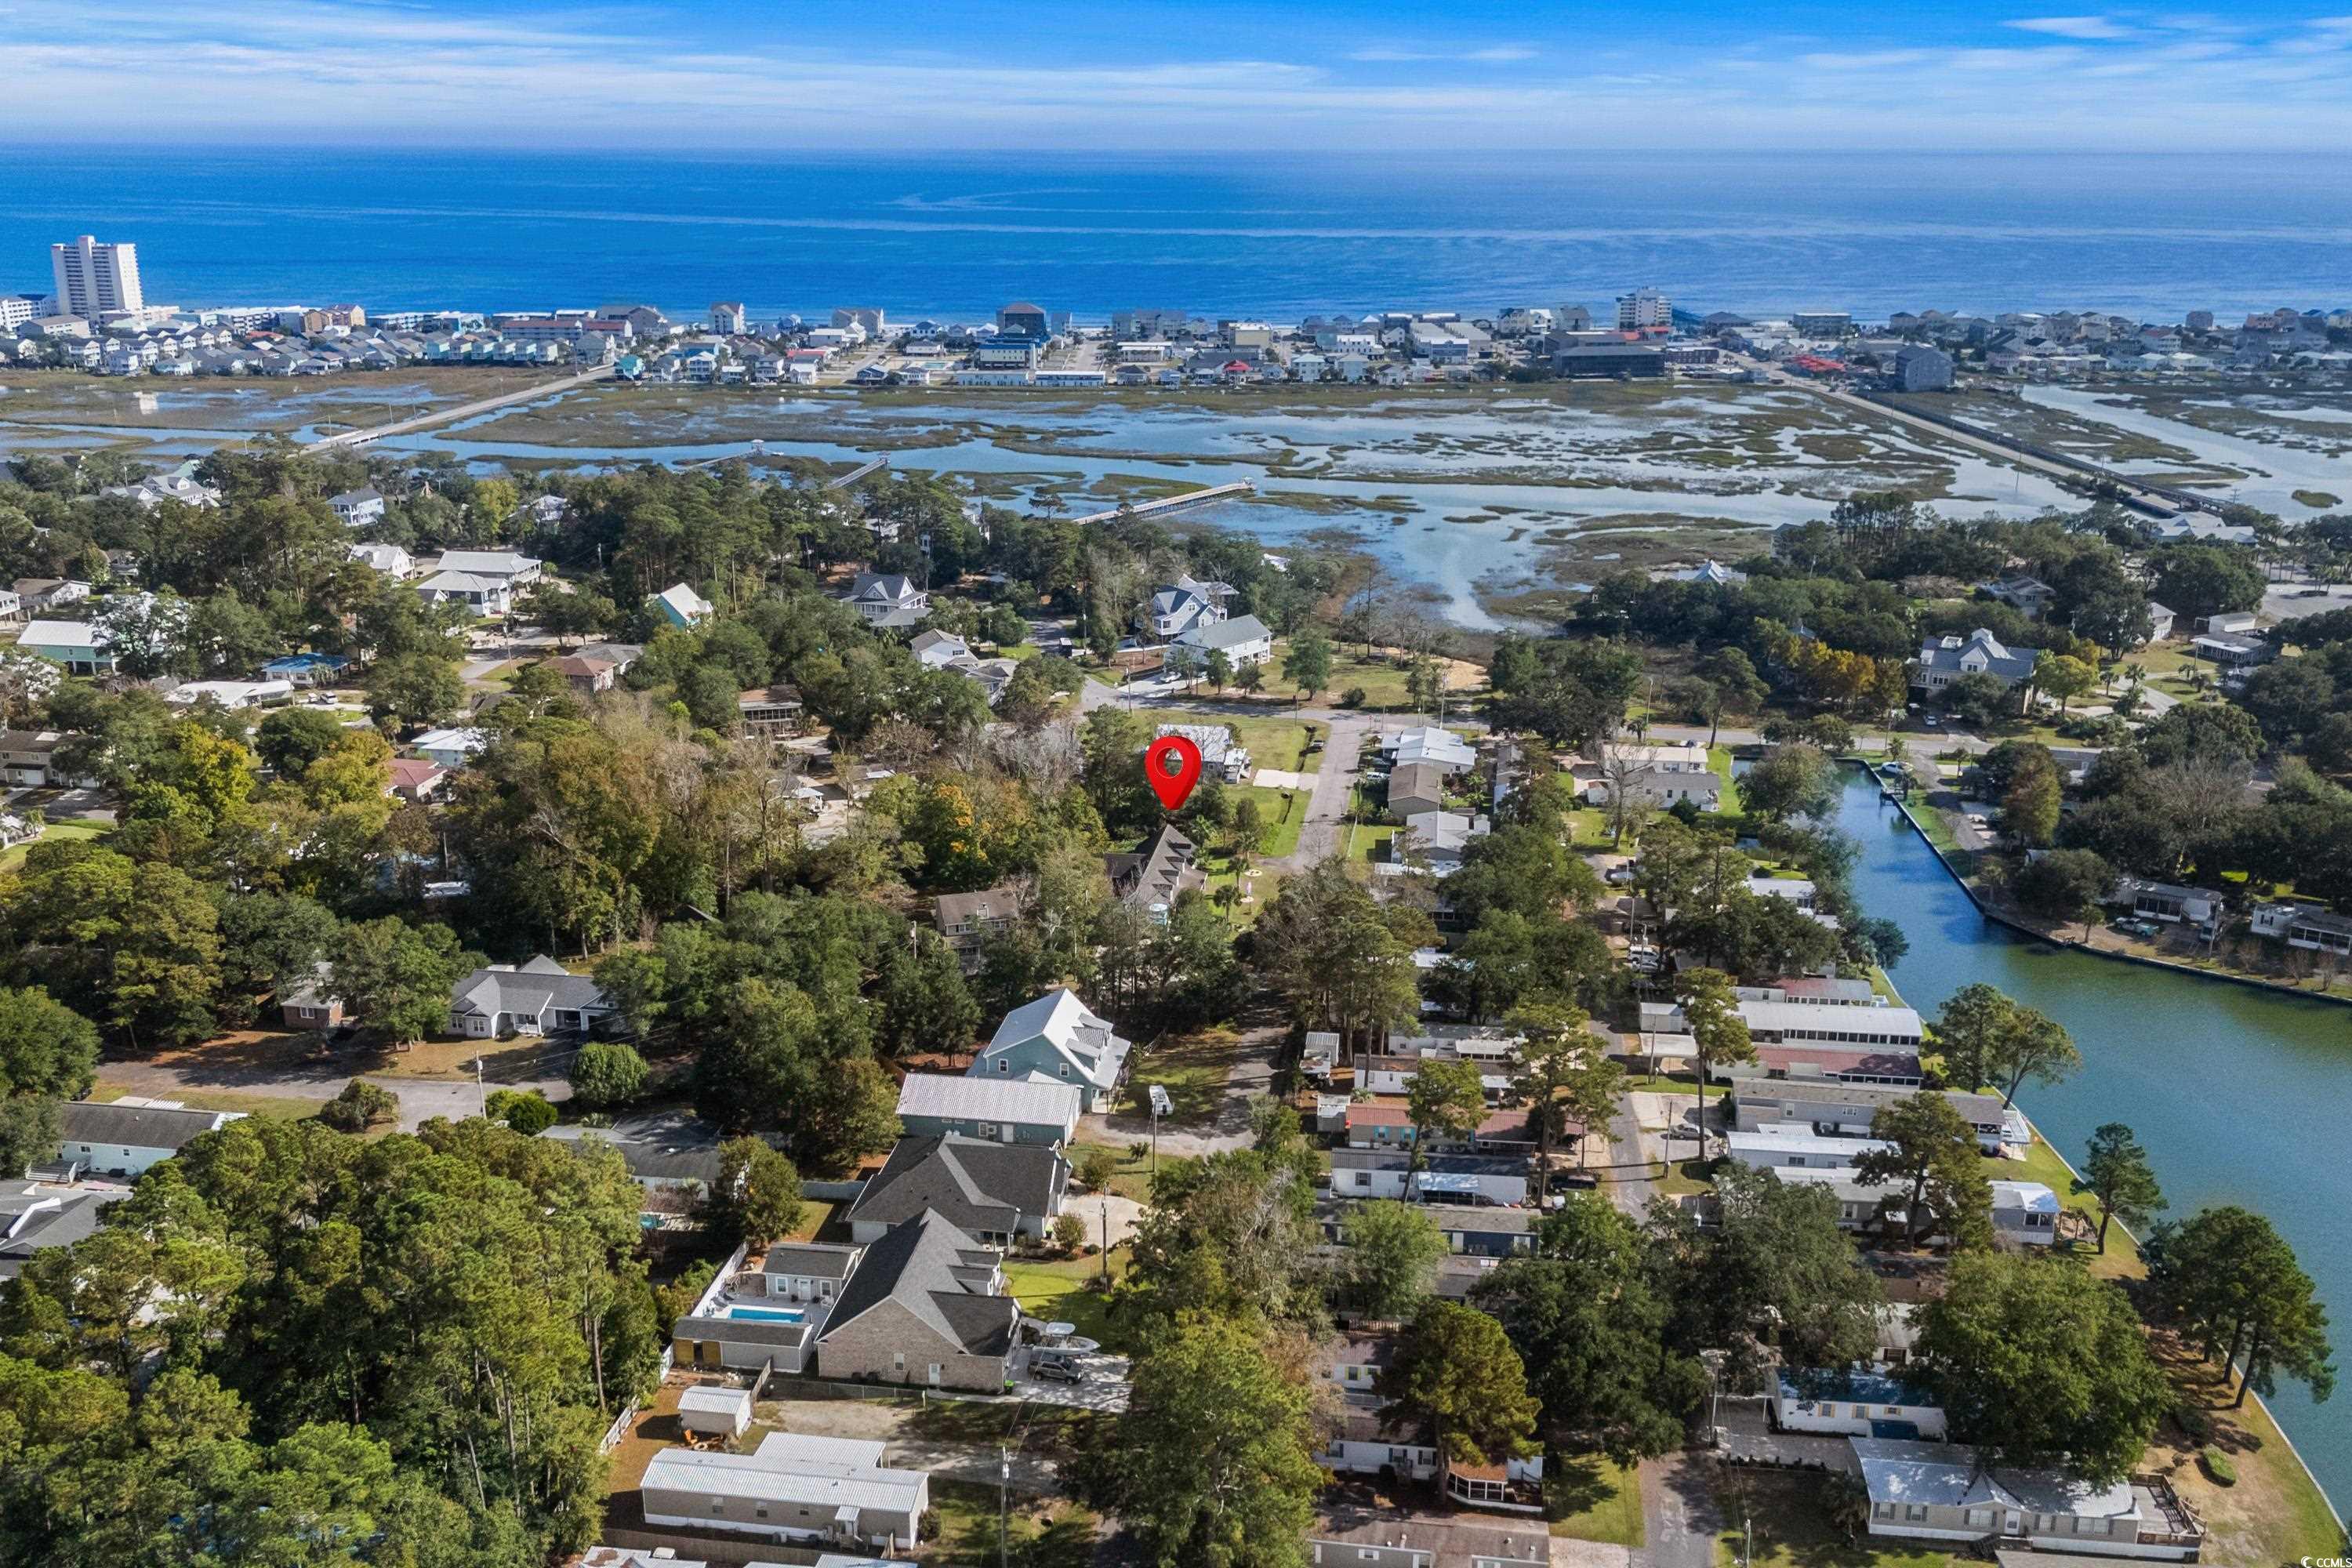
1644, 310
93, 279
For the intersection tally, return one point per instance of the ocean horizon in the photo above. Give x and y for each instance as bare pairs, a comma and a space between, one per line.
2147, 235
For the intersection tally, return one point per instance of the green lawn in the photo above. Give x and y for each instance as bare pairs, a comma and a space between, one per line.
1132, 1177
1370, 840
1272, 742
1718, 760
1382, 681
1792, 1528
1058, 1292
1283, 811
285, 1107
1588, 1497
1192, 1068
12, 859
1043, 1533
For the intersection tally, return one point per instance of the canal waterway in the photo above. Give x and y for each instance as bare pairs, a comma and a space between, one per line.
2239, 1094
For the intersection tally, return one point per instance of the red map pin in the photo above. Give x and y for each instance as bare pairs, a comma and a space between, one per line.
1173, 766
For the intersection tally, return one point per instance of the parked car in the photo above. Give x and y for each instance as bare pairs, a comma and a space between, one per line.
1054, 1371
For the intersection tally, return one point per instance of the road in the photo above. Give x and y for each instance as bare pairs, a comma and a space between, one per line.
462, 411
232, 1071
1984, 445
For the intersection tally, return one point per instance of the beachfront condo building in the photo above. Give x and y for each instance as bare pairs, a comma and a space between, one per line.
93, 279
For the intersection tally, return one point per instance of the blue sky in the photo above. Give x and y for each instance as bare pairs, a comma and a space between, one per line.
1175, 75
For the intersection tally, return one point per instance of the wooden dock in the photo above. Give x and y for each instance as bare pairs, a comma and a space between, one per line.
1173, 503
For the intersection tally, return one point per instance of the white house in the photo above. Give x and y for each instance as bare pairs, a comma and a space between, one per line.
1183, 604
2025, 1213
1933, 1492
1474, 1179
794, 1487
1244, 639
359, 507
888, 600
512, 567
487, 598
539, 997
389, 558
1854, 1403
124, 1137
451, 748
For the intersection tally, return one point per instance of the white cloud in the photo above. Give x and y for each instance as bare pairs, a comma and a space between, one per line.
275, 72
2099, 28
1499, 55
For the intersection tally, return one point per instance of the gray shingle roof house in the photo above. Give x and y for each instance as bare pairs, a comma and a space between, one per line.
998, 1109
927, 1305
540, 998
117, 1140
1058, 1040
1149, 879
1415, 788
993, 1191
1244, 639
32, 1219
888, 600
1943, 660
1187, 602
967, 920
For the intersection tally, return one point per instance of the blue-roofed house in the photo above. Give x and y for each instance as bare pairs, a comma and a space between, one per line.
1853, 1404
307, 669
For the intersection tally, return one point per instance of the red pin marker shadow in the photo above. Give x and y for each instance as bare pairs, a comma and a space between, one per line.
1172, 766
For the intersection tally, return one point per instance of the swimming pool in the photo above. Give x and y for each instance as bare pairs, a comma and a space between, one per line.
763, 1314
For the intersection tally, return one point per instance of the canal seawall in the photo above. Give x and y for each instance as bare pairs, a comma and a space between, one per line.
2001, 918
2193, 1147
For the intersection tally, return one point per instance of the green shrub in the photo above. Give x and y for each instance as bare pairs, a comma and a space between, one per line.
1069, 1233
2217, 1466
2196, 1423
1354, 696
606, 1073
525, 1111
361, 1106
1096, 1166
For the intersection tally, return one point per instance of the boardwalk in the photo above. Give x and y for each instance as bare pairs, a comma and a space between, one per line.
462, 411
1172, 504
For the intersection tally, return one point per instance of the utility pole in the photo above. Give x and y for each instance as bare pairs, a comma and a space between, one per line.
1105, 1250
1004, 1484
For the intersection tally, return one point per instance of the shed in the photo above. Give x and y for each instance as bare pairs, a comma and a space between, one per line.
711, 1409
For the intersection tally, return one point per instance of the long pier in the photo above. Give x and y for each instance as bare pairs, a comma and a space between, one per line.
864, 470
462, 411
1172, 504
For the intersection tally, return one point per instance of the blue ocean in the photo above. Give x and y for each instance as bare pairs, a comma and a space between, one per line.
2152, 235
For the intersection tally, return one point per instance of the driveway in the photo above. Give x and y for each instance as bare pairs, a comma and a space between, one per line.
1679, 1510
1322, 835
1250, 1075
